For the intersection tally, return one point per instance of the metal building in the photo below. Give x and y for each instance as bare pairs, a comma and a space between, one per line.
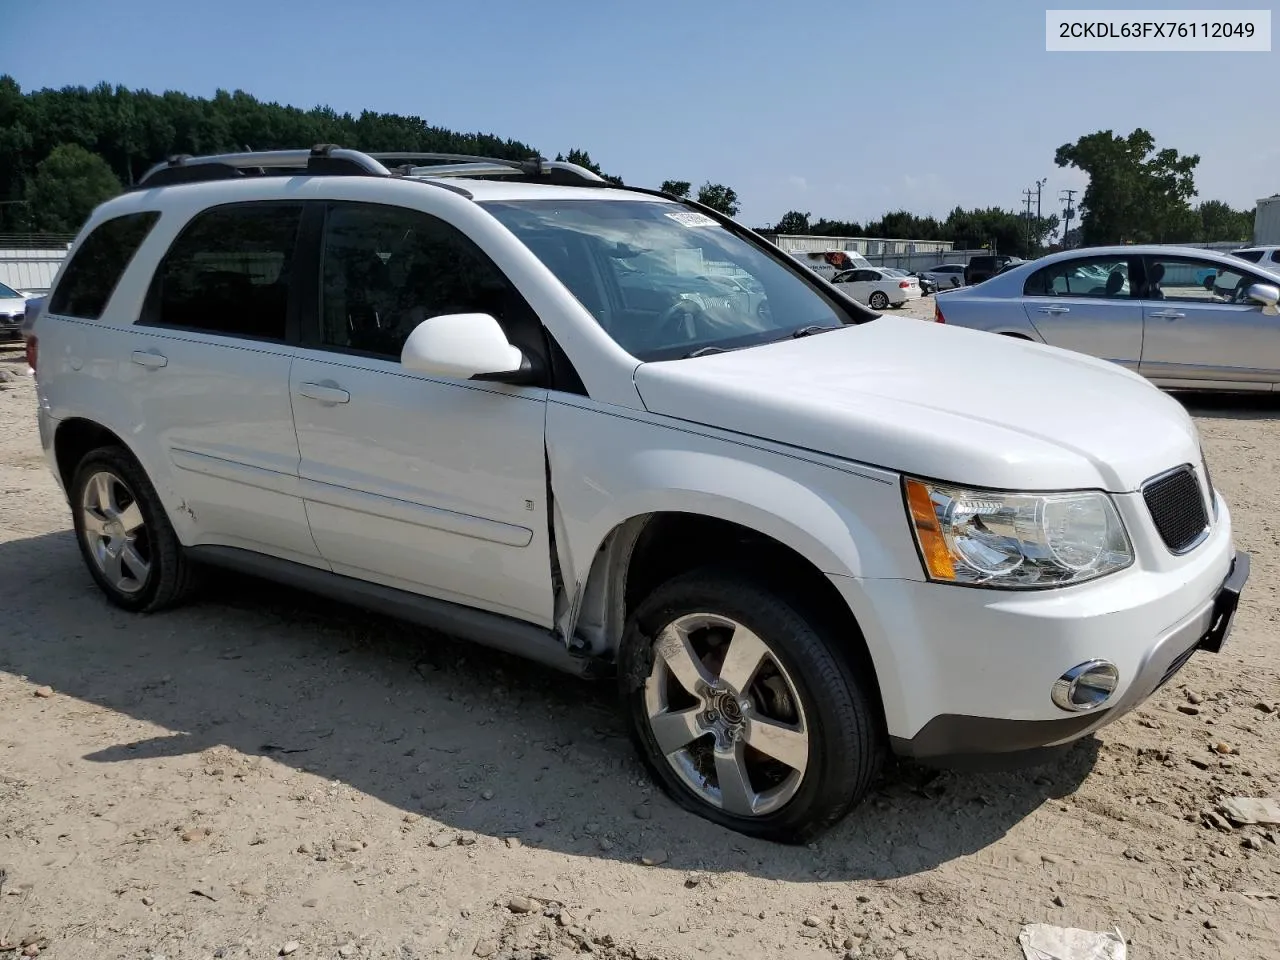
1266, 221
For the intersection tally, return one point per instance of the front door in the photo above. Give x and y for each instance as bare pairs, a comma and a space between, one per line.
1087, 304
1203, 331
426, 484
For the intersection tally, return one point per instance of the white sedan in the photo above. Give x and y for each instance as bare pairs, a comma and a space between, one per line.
878, 287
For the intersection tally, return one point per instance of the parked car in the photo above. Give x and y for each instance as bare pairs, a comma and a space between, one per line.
928, 286
798, 541
1266, 257
946, 275
985, 267
13, 307
878, 287
746, 289
1185, 318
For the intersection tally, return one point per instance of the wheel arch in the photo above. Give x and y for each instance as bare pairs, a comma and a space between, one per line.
645, 550
74, 438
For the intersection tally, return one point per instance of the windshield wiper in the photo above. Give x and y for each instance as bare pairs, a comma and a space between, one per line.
811, 330
703, 351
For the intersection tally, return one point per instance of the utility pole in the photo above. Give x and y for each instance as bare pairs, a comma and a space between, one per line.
1039, 187
1068, 212
1026, 200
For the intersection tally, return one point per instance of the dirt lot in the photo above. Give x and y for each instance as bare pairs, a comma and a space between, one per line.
264, 767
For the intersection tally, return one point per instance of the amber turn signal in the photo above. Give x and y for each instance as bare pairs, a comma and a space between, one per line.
933, 546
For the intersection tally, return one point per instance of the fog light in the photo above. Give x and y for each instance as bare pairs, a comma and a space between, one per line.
1086, 686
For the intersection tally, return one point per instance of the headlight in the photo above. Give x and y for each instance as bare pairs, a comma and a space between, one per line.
1016, 540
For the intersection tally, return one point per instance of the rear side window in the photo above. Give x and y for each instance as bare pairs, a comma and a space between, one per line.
98, 264
228, 272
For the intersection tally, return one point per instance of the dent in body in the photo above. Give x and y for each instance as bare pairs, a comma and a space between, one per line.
611, 469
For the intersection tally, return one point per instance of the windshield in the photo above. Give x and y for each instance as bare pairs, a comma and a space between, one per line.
665, 281
7, 292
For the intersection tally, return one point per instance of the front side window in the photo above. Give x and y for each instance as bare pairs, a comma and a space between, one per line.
95, 269
1275, 256
646, 270
1105, 277
228, 272
386, 269
1194, 281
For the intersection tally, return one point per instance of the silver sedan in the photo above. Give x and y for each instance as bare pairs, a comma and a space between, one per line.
1184, 318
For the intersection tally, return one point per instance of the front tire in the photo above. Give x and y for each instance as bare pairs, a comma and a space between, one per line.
878, 300
124, 534
744, 709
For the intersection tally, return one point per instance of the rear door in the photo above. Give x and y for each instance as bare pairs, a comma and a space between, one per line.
1087, 304
207, 370
427, 484
1201, 328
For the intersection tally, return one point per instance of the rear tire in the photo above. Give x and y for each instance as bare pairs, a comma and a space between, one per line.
878, 300
124, 533
778, 738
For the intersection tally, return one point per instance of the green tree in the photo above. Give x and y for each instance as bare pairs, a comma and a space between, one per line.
1219, 221
67, 185
677, 188
1136, 193
719, 197
583, 159
793, 222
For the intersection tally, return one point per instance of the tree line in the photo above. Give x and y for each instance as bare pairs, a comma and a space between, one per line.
64, 151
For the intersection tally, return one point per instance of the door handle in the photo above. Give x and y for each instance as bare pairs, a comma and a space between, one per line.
1055, 309
325, 393
1168, 314
149, 358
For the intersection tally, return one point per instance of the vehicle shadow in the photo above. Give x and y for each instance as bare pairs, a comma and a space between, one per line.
431, 725
1231, 406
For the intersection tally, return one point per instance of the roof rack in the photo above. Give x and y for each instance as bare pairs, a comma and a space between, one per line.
324, 158
328, 159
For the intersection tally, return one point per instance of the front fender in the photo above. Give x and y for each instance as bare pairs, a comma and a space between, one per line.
607, 467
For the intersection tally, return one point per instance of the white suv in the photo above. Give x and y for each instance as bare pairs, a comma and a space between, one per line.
490, 396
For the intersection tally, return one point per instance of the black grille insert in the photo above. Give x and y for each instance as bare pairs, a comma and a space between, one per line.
1177, 507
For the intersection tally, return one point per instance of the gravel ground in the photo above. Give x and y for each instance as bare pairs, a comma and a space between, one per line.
263, 771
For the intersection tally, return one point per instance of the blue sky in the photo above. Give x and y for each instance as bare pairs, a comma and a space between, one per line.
844, 110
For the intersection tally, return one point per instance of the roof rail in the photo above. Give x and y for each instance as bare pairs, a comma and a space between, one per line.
324, 158
327, 159
465, 165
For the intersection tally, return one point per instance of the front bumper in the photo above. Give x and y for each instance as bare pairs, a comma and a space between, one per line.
970, 670
952, 740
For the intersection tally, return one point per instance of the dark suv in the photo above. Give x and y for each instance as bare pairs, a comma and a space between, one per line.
987, 266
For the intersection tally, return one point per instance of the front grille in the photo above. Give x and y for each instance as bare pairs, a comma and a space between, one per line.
1176, 503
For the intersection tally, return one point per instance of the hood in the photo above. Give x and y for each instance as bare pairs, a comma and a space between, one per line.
941, 402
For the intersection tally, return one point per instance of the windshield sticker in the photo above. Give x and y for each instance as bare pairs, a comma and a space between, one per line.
689, 219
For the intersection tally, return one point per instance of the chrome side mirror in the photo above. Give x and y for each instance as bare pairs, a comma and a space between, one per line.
1268, 295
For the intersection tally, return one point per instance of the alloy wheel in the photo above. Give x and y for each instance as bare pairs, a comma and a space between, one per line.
116, 532
726, 715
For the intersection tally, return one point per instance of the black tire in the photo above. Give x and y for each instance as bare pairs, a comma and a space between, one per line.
171, 576
842, 720
878, 300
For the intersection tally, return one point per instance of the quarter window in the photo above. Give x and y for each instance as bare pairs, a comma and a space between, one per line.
97, 265
386, 269
228, 272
